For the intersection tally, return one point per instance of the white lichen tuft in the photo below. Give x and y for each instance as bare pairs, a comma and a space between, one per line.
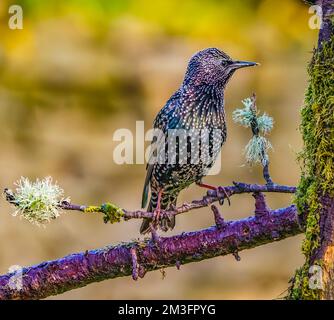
38, 202
249, 117
265, 123
256, 150
246, 115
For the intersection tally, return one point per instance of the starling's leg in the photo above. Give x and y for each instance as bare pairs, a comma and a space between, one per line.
155, 221
157, 209
217, 189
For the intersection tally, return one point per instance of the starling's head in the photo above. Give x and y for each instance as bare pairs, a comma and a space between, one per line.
212, 66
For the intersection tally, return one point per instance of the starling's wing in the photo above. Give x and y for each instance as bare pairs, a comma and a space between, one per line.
161, 122
149, 170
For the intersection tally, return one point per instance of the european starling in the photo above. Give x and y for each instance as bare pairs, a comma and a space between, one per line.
196, 107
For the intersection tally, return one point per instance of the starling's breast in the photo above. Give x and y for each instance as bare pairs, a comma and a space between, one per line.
200, 117
200, 107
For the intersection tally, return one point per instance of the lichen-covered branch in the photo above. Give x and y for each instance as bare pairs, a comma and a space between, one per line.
113, 213
137, 258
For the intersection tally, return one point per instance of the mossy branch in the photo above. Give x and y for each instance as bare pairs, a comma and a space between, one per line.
315, 196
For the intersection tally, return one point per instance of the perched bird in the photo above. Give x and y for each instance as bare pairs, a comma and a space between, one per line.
197, 105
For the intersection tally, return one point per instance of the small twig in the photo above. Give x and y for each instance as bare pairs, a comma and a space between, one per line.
211, 197
254, 124
9, 195
219, 220
261, 207
236, 255
266, 174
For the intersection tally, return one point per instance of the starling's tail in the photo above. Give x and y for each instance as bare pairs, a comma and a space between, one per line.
165, 223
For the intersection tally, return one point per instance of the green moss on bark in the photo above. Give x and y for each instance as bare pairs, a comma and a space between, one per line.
317, 160
112, 213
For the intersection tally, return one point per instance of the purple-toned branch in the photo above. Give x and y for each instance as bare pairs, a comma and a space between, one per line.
211, 197
327, 27
137, 258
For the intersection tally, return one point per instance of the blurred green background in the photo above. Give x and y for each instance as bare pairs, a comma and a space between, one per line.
81, 69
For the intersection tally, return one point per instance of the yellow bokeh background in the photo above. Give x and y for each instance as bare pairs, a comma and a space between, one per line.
79, 70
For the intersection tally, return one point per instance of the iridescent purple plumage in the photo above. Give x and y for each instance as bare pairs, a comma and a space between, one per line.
198, 106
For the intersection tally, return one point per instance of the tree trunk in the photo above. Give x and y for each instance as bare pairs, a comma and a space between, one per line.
315, 196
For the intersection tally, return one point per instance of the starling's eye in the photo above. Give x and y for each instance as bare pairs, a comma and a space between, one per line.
225, 62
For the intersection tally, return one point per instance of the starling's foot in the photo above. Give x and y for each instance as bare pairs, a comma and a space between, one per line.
218, 191
222, 189
156, 212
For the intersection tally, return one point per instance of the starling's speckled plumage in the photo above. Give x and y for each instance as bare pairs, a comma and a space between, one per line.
198, 104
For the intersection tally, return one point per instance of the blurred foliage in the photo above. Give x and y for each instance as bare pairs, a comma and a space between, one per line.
90, 51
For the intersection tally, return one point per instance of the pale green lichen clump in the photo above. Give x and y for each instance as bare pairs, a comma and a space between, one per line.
256, 151
37, 202
112, 213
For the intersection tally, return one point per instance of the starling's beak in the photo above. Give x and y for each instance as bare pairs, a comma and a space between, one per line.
243, 64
